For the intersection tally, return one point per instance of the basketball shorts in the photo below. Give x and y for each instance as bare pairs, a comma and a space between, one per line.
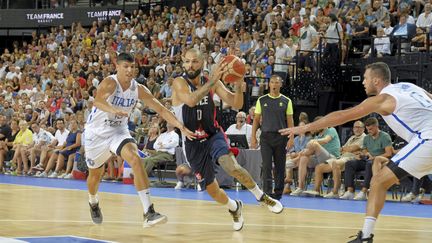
99, 149
415, 158
203, 155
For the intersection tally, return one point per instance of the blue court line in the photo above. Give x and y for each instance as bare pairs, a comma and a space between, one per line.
59, 239
390, 208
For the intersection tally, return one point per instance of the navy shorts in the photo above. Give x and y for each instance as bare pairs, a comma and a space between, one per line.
203, 155
68, 152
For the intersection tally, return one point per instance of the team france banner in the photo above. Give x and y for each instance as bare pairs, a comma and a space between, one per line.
33, 18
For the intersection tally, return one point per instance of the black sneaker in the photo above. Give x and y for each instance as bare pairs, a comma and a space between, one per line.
360, 238
96, 213
237, 216
272, 204
152, 218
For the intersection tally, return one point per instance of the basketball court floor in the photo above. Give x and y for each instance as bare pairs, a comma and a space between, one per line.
56, 210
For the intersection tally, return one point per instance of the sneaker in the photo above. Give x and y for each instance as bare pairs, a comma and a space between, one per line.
179, 185
312, 193
68, 176
38, 167
272, 204
53, 175
331, 195
361, 196
96, 213
62, 176
347, 195
408, 197
296, 192
418, 198
152, 218
237, 216
43, 174
359, 238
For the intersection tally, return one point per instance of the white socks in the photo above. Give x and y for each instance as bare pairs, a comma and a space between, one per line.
93, 199
368, 226
232, 205
145, 199
257, 192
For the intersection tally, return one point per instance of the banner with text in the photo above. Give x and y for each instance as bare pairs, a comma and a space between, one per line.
33, 18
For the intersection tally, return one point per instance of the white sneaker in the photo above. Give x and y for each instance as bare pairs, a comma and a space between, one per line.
53, 175
418, 198
296, 192
272, 204
360, 196
347, 195
68, 176
237, 215
408, 197
43, 174
179, 185
312, 193
62, 176
331, 195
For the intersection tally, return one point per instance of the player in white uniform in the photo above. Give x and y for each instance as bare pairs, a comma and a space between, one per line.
407, 109
106, 132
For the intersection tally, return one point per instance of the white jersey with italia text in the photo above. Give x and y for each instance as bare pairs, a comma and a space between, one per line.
104, 124
413, 113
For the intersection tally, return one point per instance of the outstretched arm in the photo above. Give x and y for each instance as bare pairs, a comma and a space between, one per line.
383, 104
145, 95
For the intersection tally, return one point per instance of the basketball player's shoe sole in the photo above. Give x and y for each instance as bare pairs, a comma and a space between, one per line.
272, 204
96, 213
152, 218
237, 216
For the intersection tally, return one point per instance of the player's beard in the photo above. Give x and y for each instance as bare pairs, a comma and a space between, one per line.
193, 74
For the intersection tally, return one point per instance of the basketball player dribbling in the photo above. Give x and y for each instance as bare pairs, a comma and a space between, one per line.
106, 132
193, 105
407, 109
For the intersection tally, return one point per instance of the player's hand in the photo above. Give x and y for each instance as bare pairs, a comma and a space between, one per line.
188, 133
290, 143
218, 71
121, 113
292, 130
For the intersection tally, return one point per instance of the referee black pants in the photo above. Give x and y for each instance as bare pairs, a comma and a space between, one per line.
273, 151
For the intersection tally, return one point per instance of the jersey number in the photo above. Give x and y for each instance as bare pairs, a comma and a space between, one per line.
199, 115
421, 99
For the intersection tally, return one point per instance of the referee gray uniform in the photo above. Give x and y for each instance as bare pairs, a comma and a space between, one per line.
275, 113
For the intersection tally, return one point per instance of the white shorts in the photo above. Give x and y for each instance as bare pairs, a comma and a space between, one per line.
415, 158
99, 149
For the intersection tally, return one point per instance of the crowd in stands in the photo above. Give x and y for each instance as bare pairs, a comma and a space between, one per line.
48, 84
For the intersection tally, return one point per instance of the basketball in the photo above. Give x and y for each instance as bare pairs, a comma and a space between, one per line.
236, 69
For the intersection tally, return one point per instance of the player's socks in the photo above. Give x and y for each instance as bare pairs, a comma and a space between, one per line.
368, 226
231, 204
257, 192
145, 199
93, 199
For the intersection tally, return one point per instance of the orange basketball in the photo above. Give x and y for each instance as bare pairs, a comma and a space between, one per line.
236, 69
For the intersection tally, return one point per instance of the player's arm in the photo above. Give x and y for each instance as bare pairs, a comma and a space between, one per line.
184, 95
383, 104
235, 100
191, 99
105, 89
154, 104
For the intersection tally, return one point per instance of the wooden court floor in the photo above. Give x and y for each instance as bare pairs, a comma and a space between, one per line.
37, 211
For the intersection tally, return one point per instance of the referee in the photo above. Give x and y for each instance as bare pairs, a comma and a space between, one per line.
275, 112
